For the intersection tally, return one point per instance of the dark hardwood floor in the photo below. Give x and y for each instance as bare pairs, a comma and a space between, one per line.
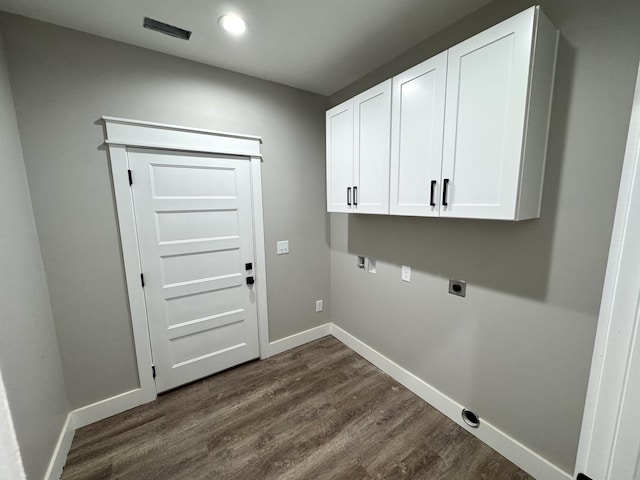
318, 412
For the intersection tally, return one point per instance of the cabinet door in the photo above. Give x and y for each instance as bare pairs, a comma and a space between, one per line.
372, 127
417, 124
487, 90
340, 157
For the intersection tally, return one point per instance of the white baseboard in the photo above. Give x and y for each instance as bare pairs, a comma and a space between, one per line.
507, 446
86, 415
526, 459
133, 398
59, 457
298, 339
111, 406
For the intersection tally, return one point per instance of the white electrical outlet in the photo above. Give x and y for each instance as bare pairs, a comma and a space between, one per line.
406, 273
372, 265
318, 305
282, 247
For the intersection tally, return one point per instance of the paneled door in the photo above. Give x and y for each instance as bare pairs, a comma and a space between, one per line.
195, 235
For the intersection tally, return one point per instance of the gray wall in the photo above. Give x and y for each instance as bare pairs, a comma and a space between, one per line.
518, 348
29, 358
64, 81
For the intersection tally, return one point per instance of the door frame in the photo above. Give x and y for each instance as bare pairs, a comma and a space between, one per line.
123, 133
618, 322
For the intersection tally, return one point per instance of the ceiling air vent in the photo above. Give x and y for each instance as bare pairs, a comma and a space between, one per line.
167, 29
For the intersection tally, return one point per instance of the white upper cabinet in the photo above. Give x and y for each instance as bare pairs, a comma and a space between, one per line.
499, 86
340, 157
468, 131
417, 125
372, 119
358, 142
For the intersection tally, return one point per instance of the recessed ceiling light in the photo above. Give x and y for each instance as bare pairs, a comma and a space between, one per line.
234, 24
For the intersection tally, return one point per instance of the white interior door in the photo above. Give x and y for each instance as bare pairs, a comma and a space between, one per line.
195, 232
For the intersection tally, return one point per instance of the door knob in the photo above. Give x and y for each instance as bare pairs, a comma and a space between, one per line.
250, 281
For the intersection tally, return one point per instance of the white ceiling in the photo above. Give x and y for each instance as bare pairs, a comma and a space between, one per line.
315, 45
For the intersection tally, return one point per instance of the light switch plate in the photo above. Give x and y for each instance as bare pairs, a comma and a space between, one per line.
406, 273
319, 305
282, 247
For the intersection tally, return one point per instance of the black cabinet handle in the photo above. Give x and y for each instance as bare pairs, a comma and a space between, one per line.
432, 202
349, 196
445, 192
355, 196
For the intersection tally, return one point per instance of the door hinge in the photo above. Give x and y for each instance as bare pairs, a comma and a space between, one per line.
153, 370
130, 177
142, 279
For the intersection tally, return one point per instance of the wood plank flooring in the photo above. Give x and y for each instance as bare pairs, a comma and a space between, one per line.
318, 412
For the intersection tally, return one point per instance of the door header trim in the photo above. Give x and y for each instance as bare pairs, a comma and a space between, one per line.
138, 133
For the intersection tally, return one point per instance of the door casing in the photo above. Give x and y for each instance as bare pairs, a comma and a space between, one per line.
614, 363
122, 134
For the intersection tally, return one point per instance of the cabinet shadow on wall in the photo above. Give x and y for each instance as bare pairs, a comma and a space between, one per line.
512, 257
